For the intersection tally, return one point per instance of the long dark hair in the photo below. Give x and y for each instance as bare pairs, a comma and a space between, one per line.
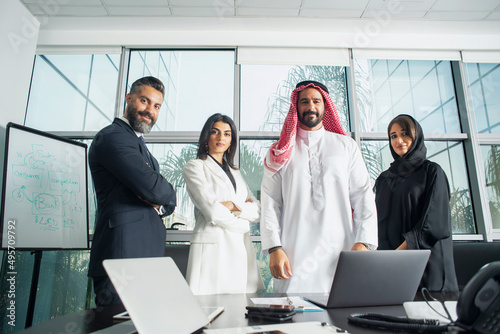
205, 135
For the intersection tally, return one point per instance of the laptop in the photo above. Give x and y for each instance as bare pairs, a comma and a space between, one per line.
156, 295
374, 278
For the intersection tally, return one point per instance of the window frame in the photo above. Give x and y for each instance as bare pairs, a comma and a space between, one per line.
468, 136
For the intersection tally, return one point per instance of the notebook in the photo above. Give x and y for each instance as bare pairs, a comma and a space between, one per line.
156, 295
372, 278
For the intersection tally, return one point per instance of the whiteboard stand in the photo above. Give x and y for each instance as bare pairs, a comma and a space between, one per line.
45, 197
45, 192
34, 287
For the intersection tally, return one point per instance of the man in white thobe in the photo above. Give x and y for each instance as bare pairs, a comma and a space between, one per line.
316, 197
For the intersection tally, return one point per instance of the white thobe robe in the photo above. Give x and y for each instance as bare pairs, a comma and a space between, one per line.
319, 204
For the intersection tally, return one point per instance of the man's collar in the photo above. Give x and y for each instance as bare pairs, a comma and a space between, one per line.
310, 134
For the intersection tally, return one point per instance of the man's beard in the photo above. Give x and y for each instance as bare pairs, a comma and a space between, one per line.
137, 124
310, 122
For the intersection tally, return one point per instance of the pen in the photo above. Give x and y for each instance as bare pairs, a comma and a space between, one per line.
289, 301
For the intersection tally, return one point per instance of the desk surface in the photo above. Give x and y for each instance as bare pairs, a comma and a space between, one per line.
234, 315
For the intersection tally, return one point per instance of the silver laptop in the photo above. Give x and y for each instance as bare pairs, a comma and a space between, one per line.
372, 278
156, 295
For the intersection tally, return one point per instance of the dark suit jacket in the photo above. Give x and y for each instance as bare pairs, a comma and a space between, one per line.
123, 170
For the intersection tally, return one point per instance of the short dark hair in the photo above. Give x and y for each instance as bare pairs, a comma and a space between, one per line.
148, 81
205, 135
406, 123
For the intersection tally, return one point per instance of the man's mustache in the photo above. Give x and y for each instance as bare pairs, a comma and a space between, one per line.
145, 113
310, 112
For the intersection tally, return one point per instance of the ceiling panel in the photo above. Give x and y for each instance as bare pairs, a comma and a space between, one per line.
494, 16
328, 4
139, 11
412, 10
202, 11
78, 11
456, 16
268, 12
73, 2
269, 3
465, 5
201, 3
401, 5
128, 3
35, 9
330, 13
371, 14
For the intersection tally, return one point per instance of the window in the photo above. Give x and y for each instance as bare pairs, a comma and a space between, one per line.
172, 158
73, 92
198, 84
483, 81
491, 161
265, 102
266, 90
77, 94
424, 90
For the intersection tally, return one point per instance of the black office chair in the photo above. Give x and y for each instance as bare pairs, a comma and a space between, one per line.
179, 253
469, 257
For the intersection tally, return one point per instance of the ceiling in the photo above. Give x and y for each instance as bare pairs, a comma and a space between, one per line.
408, 10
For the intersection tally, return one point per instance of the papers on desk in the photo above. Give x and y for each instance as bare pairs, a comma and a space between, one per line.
292, 328
300, 304
422, 310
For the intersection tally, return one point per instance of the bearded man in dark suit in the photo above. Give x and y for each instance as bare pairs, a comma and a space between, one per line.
132, 195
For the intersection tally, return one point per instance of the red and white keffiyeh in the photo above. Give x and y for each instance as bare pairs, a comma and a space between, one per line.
280, 151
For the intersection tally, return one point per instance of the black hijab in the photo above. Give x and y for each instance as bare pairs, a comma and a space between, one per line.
413, 159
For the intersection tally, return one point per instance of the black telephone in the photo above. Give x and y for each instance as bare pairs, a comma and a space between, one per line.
478, 308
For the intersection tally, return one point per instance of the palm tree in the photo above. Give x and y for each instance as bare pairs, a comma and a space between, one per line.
172, 165
279, 103
493, 183
461, 211
171, 169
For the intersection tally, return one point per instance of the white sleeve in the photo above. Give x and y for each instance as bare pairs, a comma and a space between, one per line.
205, 200
362, 201
248, 210
271, 205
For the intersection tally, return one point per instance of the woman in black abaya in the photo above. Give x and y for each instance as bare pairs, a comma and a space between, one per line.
413, 204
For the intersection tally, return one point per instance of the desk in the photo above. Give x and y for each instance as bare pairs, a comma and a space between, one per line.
234, 315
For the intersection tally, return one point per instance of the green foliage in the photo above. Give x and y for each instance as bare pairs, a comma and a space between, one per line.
493, 170
373, 159
279, 103
252, 169
493, 183
173, 164
461, 211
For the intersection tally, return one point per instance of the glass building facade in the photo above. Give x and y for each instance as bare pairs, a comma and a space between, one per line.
457, 104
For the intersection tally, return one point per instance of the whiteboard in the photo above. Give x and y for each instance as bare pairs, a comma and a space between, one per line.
44, 198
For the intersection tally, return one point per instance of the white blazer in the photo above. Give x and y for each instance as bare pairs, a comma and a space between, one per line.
221, 256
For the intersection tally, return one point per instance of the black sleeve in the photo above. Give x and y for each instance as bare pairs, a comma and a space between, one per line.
435, 221
122, 158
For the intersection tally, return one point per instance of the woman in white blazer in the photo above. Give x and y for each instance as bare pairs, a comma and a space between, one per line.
221, 256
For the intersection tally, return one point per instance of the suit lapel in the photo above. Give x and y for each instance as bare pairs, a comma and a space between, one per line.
142, 147
217, 170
